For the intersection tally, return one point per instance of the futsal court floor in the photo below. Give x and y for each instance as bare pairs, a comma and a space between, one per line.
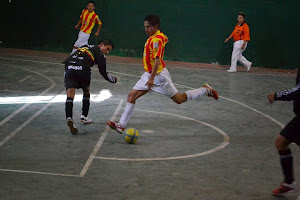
202, 149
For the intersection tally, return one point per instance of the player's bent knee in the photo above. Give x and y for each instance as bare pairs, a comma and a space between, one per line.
281, 143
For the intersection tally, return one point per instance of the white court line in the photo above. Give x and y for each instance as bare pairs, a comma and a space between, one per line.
12, 134
42, 173
27, 77
221, 146
99, 143
27, 104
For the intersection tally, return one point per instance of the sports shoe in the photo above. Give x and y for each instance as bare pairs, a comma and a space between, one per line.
211, 92
73, 129
231, 70
286, 189
116, 126
85, 119
249, 67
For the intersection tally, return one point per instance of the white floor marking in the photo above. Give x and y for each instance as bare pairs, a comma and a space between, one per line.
27, 104
27, 77
99, 143
221, 146
12, 134
147, 131
42, 173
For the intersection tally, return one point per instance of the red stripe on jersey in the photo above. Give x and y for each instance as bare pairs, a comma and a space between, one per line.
148, 56
85, 20
83, 12
90, 24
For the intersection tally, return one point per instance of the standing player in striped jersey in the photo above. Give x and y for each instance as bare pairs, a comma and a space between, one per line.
290, 133
88, 19
156, 76
78, 75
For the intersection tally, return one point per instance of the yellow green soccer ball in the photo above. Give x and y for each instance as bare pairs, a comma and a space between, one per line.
131, 135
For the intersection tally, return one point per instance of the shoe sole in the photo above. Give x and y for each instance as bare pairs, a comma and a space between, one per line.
112, 127
216, 95
86, 122
73, 129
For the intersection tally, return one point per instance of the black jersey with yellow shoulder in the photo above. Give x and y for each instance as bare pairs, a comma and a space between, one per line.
87, 56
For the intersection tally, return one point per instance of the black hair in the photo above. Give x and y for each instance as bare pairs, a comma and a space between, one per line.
93, 2
242, 13
107, 42
153, 20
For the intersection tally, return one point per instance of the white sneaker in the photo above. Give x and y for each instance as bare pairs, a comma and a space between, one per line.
85, 120
70, 124
249, 67
231, 70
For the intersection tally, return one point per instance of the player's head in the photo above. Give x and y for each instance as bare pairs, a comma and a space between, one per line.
241, 17
106, 46
151, 24
91, 6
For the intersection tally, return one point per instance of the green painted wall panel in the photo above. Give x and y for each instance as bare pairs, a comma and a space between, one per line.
196, 29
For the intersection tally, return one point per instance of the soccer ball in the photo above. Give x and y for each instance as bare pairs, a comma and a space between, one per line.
131, 135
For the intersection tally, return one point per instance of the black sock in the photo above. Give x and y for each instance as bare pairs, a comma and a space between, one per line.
69, 107
85, 104
286, 160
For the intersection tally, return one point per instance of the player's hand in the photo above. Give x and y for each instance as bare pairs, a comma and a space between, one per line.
226, 40
77, 26
271, 98
150, 83
97, 34
243, 46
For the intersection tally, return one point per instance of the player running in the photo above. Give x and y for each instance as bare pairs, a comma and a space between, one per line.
156, 76
290, 133
88, 19
78, 75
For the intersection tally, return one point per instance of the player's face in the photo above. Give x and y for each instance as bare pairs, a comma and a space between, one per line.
149, 29
91, 7
105, 49
240, 19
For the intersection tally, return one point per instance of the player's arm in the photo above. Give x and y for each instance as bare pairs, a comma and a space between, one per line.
287, 95
78, 24
227, 39
101, 61
98, 21
246, 36
150, 82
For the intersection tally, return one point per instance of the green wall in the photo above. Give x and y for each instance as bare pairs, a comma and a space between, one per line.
196, 29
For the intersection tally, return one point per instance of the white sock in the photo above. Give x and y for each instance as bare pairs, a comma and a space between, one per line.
73, 51
194, 94
127, 114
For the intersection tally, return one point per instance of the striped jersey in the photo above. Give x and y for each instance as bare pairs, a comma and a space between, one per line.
154, 48
88, 21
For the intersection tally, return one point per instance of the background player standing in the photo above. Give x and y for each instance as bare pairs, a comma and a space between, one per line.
241, 36
290, 133
78, 75
156, 76
88, 19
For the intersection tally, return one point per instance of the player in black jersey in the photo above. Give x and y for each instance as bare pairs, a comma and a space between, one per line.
290, 133
78, 75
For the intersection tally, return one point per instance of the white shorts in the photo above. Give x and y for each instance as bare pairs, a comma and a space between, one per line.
83, 39
162, 83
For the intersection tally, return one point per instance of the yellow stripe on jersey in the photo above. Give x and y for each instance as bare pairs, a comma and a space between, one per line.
88, 21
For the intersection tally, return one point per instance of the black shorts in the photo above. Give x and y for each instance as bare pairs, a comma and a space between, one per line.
77, 79
292, 131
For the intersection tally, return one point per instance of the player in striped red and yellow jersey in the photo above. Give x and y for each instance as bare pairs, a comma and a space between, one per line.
88, 19
155, 48
156, 76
